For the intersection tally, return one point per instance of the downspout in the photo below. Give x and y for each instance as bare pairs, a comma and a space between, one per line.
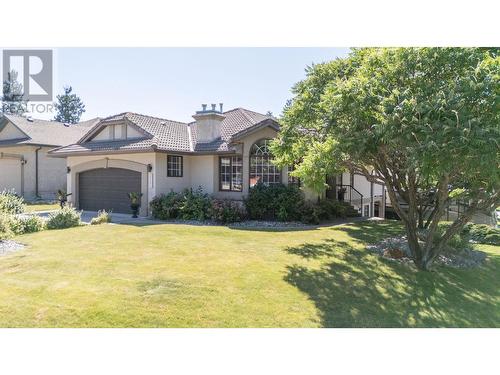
22, 160
36, 171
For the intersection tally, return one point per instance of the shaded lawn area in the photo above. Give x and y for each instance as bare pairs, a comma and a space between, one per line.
188, 276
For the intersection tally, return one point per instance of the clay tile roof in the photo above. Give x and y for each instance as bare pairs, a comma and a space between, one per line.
168, 135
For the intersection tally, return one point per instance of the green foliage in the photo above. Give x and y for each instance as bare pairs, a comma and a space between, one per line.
426, 114
457, 241
195, 205
6, 224
66, 217
227, 211
166, 206
13, 101
135, 198
275, 202
186, 205
29, 224
11, 225
102, 217
325, 210
69, 107
482, 233
429, 102
11, 203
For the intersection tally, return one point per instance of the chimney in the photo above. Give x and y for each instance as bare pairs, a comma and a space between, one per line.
208, 123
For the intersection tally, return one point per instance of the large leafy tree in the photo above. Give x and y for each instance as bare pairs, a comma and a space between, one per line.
13, 101
425, 122
69, 107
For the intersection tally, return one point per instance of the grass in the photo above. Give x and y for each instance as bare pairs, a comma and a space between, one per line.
35, 207
187, 276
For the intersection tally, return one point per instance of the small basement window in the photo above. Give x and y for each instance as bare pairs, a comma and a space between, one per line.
174, 166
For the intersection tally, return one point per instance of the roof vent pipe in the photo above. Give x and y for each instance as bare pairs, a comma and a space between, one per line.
213, 107
204, 107
220, 105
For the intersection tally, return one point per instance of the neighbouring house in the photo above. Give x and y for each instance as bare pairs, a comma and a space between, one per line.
24, 165
224, 153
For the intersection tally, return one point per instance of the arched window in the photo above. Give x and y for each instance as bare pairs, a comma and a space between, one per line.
261, 167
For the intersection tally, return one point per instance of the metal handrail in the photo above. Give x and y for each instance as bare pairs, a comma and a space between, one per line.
349, 189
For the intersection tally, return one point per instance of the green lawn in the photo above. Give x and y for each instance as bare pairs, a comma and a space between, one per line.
33, 207
187, 276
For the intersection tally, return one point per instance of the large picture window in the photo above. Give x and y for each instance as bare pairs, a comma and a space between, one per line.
230, 173
261, 167
174, 166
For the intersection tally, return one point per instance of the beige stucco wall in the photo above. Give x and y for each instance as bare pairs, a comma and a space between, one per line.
51, 172
165, 184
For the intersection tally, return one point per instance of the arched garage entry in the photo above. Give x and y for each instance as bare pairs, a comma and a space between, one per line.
114, 172
107, 189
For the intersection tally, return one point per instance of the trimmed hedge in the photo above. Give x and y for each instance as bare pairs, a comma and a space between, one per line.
186, 205
275, 202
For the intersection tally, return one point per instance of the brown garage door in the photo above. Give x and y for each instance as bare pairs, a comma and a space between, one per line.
107, 189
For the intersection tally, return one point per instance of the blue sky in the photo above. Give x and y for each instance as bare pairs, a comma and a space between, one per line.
173, 82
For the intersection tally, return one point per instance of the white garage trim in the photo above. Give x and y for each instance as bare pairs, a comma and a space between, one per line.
112, 163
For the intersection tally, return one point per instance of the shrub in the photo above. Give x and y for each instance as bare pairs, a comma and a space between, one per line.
101, 218
166, 206
275, 202
186, 205
28, 224
66, 217
482, 233
195, 205
227, 211
10, 203
458, 241
310, 214
324, 210
6, 223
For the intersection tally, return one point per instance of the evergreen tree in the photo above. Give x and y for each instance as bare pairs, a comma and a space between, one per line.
69, 107
13, 101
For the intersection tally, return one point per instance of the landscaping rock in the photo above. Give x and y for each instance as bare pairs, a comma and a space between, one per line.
8, 246
242, 224
397, 249
268, 224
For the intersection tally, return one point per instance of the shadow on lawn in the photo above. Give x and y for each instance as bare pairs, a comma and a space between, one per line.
353, 288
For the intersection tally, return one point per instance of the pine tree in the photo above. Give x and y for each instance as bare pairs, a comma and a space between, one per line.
69, 107
13, 101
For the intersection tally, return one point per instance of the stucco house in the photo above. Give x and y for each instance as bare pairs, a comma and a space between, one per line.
24, 164
223, 152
